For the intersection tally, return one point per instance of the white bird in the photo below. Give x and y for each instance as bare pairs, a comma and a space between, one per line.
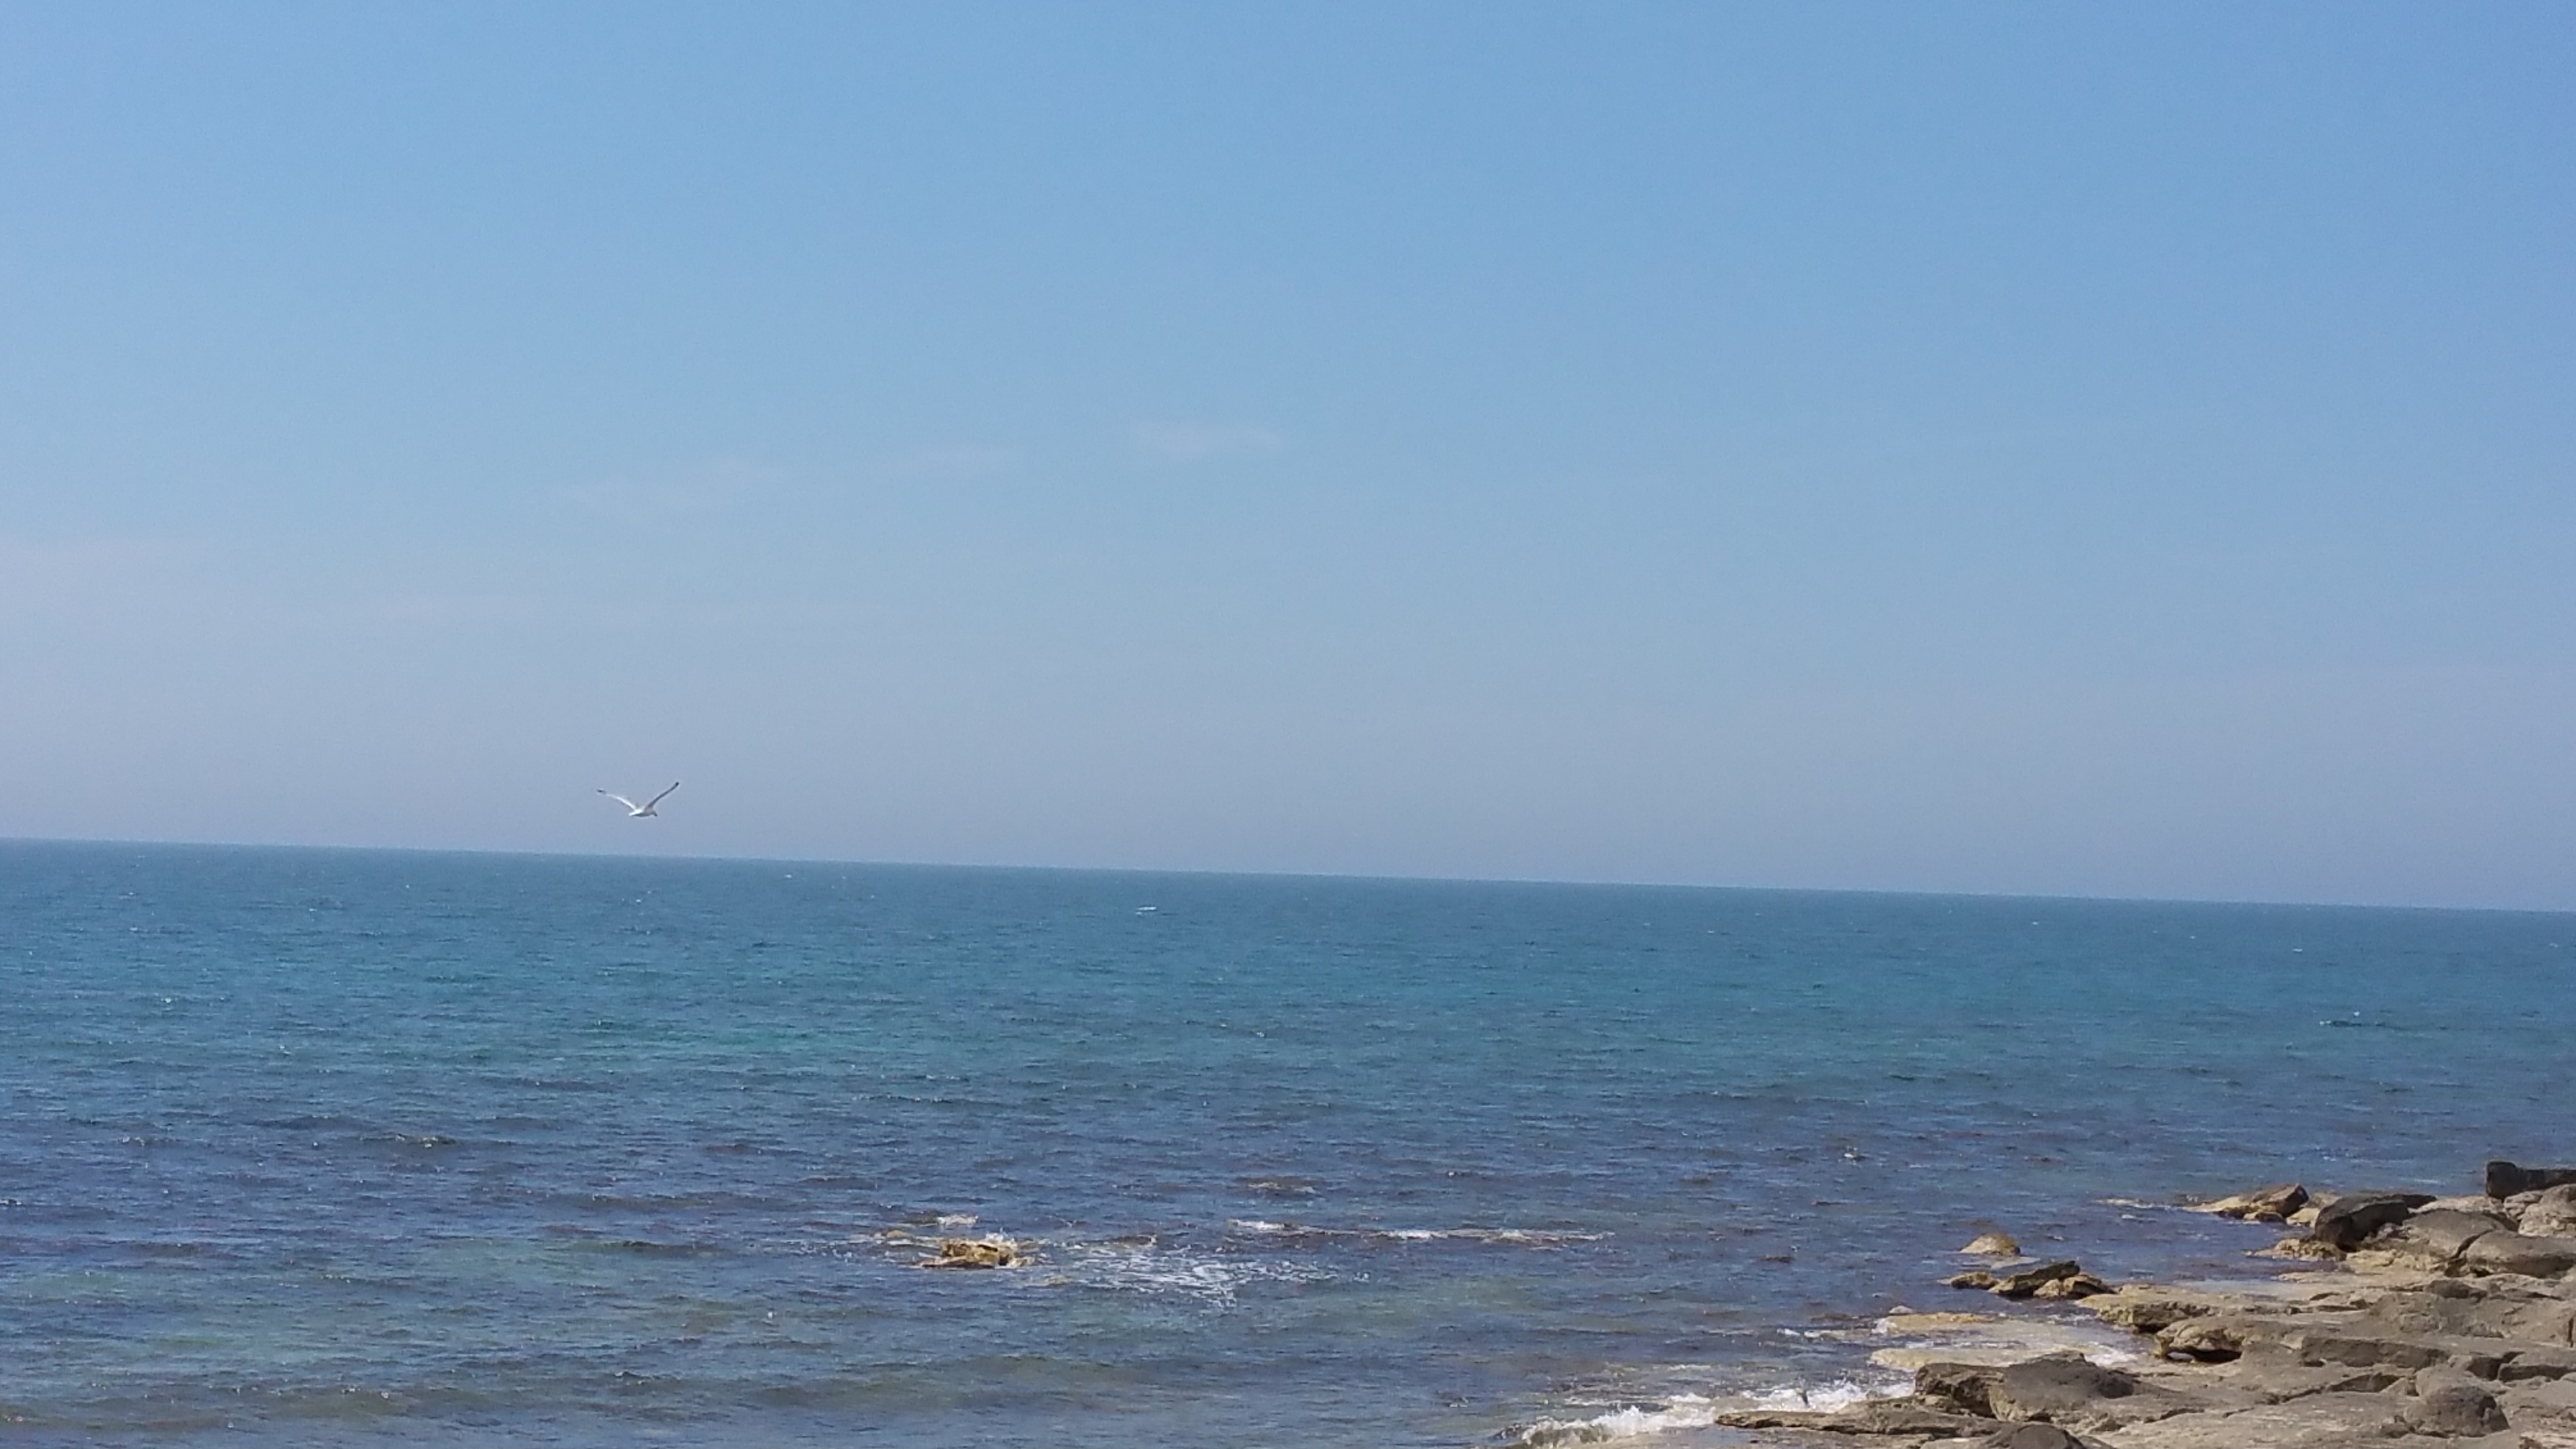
638, 812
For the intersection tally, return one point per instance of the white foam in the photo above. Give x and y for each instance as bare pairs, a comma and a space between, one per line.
1144, 1268
1516, 1237
1695, 1411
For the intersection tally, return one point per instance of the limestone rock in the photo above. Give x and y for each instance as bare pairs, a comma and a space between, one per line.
2438, 1236
2538, 1362
1993, 1245
2452, 1404
2551, 1215
2350, 1220
2072, 1286
2030, 1436
2216, 1339
2146, 1310
1874, 1416
2299, 1247
1973, 1278
2510, 1252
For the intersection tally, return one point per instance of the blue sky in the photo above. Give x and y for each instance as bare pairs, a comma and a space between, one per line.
2102, 450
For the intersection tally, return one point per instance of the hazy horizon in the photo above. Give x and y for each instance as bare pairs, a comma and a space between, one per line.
2001, 450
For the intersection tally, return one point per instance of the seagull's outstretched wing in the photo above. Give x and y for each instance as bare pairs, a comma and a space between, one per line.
658, 799
622, 800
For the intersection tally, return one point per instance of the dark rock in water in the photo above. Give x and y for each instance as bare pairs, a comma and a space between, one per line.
2452, 1404
2349, 1220
2504, 1179
977, 1253
2263, 1205
1973, 1278
2509, 1252
2075, 1285
2028, 1280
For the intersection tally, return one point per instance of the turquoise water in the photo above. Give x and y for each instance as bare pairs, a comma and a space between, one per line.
383, 1148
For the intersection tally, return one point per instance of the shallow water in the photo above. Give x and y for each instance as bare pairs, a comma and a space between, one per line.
389, 1148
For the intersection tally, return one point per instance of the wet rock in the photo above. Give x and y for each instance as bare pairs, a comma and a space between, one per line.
2271, 1204
977, 1253
1973, 1278
2452, 1404
1993, 1245
2300, 1247
2073, 1286
1876, 1416
2029, 1280
2350, 1220
2505, 1179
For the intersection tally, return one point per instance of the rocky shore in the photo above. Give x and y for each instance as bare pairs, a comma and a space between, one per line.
2415, 1321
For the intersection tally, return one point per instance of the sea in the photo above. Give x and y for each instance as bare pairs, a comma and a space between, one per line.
315, 1147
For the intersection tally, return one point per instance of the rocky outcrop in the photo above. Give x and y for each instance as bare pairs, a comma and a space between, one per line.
2065, 1278
2505, 1180
2445, 1323
2351, 1220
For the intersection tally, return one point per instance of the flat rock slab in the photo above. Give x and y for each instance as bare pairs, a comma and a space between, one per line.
2327, 1421
2508, 1252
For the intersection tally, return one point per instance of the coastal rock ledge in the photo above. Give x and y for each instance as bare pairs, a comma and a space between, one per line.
2424, 1321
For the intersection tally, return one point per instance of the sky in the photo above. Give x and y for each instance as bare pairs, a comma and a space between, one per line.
2096, 450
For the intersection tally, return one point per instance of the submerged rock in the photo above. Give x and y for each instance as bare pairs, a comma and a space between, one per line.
2271, 1204
977, 1253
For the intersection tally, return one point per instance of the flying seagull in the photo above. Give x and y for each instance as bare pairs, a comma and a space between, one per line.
638, 812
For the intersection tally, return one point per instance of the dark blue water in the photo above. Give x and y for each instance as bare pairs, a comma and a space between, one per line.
375, 1148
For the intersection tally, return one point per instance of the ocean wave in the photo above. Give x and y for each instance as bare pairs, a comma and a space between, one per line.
1212, 1278
1692, 1411
1516, 1237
